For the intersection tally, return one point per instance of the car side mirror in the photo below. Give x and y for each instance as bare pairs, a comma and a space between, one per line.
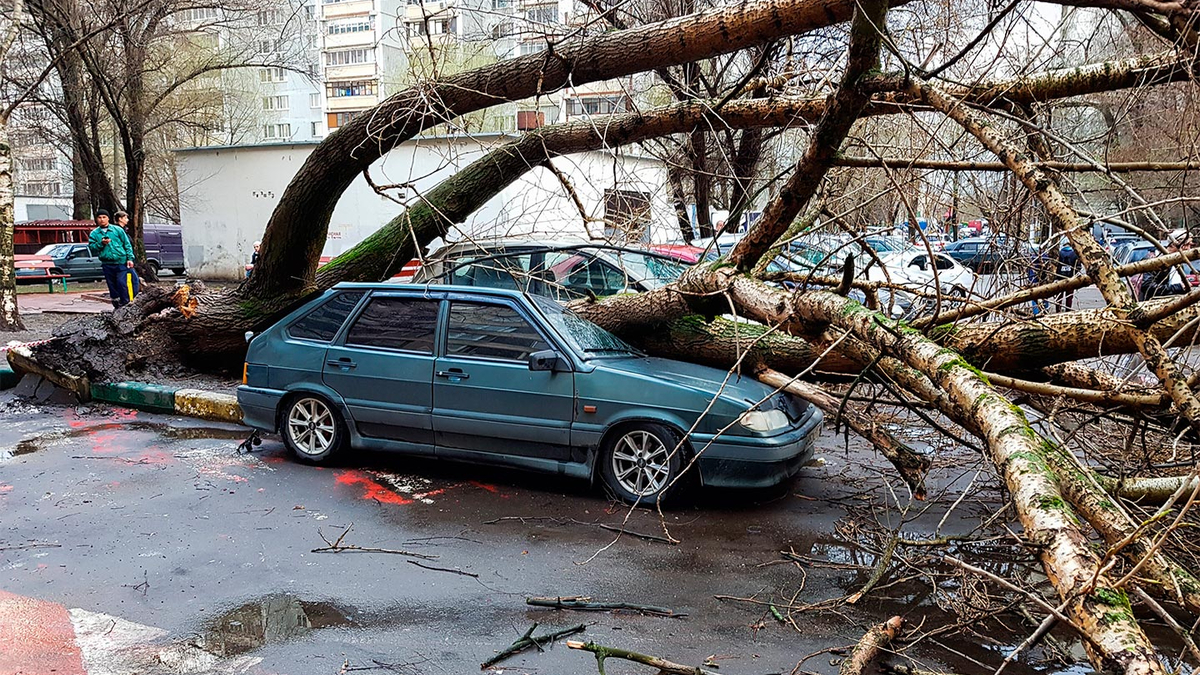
249, 336
548, 359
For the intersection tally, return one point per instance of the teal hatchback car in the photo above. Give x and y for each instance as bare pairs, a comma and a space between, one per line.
499, 377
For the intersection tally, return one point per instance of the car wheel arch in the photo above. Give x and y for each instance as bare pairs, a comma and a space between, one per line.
631, 423
334, 402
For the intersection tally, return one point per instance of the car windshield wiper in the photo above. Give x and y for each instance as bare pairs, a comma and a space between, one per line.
592, 350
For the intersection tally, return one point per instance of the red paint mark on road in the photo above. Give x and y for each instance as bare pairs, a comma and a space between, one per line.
431, 493
5, 488
37, 638
103, 444
485, 486
371, 490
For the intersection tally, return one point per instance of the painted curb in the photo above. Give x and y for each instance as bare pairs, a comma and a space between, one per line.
208, 405
139, 395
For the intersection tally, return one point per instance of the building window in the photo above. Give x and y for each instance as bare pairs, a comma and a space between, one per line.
599, 105
275, 103
271, 75
531, 47
448, 26
277, 131
351, 88
197, 14
270, 17
349, 56
38, 164
270, 46
345, 26
626, 215
316, 129
314, 99
501, 4
341, 119
502, 30
542, 14
43, 189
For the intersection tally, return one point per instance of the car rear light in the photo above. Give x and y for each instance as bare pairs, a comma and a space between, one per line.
245, 368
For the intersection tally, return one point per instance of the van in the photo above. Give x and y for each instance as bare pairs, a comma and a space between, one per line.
164, 247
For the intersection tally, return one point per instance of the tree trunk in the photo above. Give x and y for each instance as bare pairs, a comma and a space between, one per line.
701, 183
10, 318
81, 196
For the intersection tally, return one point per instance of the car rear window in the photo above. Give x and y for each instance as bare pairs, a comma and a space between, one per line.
491, 331
407, 324
323, 322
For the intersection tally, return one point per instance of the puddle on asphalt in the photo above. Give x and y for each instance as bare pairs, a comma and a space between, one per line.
45, 440
276, 618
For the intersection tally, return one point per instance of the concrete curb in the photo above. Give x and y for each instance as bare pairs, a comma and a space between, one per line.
207, 405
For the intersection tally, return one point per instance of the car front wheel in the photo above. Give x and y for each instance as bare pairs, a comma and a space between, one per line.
313, 430
641, 464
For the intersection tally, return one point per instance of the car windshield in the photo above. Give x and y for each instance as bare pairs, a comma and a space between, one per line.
55, 250
652, 271
585, 337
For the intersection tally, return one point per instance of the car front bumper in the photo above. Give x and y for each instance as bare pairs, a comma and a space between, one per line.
259, 407
748, 462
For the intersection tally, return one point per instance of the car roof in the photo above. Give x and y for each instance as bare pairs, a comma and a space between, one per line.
427, 288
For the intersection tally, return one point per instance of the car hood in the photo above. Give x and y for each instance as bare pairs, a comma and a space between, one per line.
690, 375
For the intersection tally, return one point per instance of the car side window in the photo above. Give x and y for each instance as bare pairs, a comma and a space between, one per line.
511, 271
491, 331
323, 322
943, 263
406, 324
918, 262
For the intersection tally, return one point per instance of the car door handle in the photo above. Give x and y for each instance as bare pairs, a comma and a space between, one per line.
453, 373
341, 363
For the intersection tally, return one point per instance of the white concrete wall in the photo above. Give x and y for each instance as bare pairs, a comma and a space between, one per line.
228, 194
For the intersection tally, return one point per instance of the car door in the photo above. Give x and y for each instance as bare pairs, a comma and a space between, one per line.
485, 397
82, 265
383, 369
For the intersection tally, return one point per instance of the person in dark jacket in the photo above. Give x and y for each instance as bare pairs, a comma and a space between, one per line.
111, 245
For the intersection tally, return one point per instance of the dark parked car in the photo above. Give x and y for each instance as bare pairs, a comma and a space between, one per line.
501, 377
989, 255
73, 259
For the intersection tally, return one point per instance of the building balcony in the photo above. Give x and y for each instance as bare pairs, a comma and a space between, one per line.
343, 103
364, 38
334, 10
414, 12
356, 71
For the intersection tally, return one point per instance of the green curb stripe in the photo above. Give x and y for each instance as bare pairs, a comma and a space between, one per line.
139, 395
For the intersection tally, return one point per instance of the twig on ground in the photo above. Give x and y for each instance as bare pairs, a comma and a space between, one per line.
337, 547
663, 665
586, 604
443, 569
528, 640
640, 535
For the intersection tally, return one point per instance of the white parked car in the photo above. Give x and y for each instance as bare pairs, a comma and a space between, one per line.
912, 268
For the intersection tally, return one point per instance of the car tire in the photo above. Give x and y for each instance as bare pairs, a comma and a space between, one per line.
312, 429
640, 464
178, 271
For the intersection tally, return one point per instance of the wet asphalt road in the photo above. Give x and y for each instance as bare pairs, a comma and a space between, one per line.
195, 558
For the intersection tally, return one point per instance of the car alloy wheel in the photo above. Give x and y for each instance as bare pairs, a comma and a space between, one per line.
312, 428
641, 463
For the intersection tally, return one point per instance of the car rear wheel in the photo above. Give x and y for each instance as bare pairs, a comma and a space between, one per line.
178, 271
641, 464
313, 429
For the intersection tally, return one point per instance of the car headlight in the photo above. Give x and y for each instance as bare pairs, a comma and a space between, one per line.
763, 420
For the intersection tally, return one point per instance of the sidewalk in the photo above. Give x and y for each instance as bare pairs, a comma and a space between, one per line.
82, 302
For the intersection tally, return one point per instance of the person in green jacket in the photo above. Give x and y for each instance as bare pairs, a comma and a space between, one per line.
112, 246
